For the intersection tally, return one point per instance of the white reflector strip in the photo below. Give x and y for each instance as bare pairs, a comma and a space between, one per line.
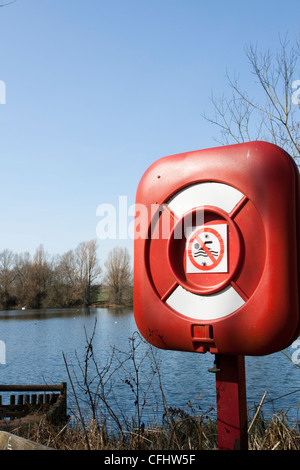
205, 307
205, 194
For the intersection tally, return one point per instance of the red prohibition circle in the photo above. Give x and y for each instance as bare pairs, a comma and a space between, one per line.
215, 261
206, 280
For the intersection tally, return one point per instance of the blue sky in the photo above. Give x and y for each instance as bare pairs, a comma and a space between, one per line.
97, 90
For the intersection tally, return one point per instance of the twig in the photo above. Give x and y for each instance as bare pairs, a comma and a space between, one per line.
257, 411
6, 4
276, 445
79, 410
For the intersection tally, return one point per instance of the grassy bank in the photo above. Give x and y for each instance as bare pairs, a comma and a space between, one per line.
181, 433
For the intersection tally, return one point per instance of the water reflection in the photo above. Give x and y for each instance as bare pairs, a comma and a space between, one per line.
26, 315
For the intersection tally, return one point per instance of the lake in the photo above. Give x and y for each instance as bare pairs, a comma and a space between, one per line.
35, 341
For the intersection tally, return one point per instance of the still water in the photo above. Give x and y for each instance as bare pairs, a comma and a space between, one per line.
35, 341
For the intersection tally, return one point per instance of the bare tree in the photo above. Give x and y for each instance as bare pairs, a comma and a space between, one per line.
119, 276
88, 268
7, 277
23, 268
273, 115
40, 274
69, 293
79, 273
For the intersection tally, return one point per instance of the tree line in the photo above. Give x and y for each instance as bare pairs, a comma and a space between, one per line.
74, 279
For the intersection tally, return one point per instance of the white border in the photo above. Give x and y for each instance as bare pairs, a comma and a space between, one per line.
205, 307
205, 194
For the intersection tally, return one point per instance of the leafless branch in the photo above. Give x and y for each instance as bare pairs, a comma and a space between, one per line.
272, 115
7, 3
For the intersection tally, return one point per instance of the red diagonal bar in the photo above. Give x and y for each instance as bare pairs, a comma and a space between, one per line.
211, 256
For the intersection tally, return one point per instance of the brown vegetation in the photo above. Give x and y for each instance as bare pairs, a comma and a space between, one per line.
119, 276
182, 433
72, 279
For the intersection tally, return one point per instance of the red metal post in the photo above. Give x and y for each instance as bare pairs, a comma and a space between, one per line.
231, 402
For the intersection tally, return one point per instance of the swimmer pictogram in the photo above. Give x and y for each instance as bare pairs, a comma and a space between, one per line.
206, 248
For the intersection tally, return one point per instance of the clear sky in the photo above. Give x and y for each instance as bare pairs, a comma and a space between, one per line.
97, 90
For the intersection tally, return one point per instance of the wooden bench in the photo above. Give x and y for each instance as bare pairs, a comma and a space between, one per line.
50, 399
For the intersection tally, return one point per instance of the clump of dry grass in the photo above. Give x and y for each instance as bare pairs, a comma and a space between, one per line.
184, 434
179, 432
276, 434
